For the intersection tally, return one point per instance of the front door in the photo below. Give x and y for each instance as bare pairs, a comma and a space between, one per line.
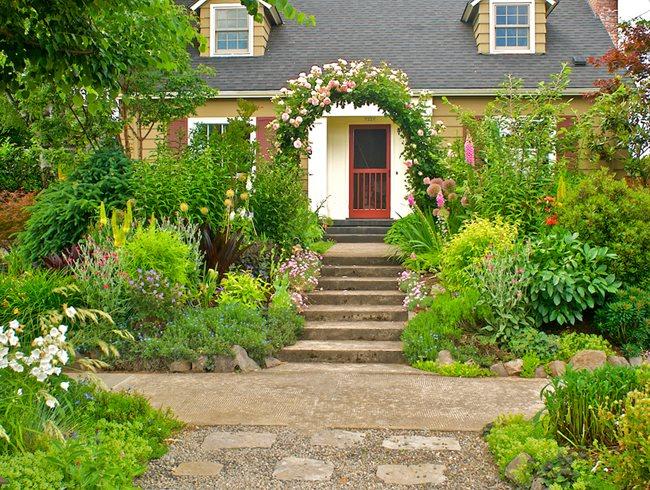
370, 171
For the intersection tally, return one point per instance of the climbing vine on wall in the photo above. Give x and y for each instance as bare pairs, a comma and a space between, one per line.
308, 97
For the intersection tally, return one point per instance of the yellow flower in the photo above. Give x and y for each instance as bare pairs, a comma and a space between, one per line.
243, 177
204, 210
228, 203
230, 193
16, 311
243, 196
184, 207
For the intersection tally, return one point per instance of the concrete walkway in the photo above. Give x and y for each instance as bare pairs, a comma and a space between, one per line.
330, 396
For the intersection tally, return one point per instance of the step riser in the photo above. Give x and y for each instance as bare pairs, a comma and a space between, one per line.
341, 260
355, 316
361, 356
344, 271
335, 298
393, 334
361, 222
364, 238
357, 230
336, 284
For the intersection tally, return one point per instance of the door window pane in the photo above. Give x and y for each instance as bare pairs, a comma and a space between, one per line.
370, 148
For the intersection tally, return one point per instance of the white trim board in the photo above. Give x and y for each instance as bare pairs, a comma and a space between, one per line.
192, 122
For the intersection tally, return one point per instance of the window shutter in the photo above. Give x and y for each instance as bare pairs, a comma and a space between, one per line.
265, 136
177, 134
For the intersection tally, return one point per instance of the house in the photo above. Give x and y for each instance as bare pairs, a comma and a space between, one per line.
457, 49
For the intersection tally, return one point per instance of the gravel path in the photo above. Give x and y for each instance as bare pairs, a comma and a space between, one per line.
354, 467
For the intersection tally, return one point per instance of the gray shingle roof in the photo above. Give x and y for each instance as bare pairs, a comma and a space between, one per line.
425, 38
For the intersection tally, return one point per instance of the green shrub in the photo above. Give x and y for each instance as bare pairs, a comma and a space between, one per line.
512, 435
456, 369
418, 239
535, 343
243, 288
284, 325
630, 464
195, 178
29, 471
437, 328
21, 169
606, 212
281, 210
583, 406
503, 286
625, 319
567, 277
211, 331
573, 342
64, 211
28, 296
469, 246
531, 362
160, 250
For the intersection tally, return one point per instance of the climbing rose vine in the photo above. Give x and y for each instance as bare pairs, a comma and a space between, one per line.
308, 97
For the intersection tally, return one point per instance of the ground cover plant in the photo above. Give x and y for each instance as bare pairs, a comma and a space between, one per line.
582, 438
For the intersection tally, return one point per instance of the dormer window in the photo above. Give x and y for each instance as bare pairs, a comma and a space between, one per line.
231, 30
512, 26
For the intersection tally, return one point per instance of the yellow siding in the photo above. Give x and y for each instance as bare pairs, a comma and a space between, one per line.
261, 30
482, 28
540, 26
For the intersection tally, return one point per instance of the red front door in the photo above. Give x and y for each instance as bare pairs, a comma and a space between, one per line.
370, 171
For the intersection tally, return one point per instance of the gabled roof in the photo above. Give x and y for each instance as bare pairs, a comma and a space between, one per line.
472, 7
273, 12
425, 38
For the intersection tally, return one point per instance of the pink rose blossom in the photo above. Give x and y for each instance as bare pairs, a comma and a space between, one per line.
285, 116
297, 144
420, 132
426, 181
408, 163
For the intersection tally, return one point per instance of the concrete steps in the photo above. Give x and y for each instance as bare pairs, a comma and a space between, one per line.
344, 297
349, 272
353, 331
344, 351
350, 313
356, 315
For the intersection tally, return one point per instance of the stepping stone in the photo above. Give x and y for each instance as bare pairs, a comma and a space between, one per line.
415, 474
304, 469
421, 442
337, 438
197, 468
237, 440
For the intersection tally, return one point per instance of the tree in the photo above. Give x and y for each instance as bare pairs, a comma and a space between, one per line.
619, 120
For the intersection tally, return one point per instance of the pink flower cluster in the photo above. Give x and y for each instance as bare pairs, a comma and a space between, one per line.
303, 270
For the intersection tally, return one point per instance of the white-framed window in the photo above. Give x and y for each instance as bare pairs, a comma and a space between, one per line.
512, 26
231, 30
209, 126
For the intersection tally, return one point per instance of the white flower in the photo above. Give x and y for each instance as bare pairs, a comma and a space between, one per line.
16, 366
70, 311
420, 132
232, 215
20, 392
14, 324
65, 385
50, 401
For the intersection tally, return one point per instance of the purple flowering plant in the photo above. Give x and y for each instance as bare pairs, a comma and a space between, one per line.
154, 296
302, 269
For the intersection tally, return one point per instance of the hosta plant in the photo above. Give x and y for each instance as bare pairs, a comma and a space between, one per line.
568, 277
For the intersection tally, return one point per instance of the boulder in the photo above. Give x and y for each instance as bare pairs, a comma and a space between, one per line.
636, 361
499, 369
521, 460
540, 372
271, 361
556, 368
180, 367
444, 358
618, 361
200, 364
588, 359
245, 363
537, 484
514, 367
223, 364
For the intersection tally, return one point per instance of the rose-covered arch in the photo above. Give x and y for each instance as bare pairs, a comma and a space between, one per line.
312, 94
